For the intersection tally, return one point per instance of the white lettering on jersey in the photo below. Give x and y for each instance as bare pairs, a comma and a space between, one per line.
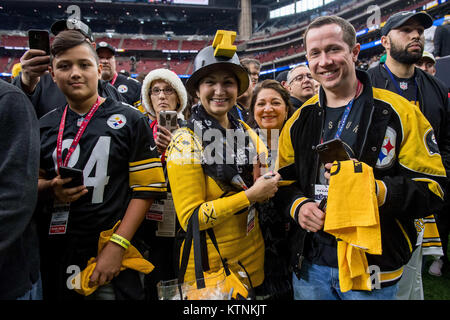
73, 158
99, 159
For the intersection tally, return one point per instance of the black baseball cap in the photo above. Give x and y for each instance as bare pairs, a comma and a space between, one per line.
74, 24
282, 76
106, 45
397, 20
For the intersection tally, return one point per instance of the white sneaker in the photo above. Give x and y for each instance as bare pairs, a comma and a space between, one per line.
435, 268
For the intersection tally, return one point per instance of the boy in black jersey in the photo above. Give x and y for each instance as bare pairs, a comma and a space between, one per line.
112, 143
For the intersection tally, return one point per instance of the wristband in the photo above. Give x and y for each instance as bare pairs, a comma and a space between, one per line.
121, 241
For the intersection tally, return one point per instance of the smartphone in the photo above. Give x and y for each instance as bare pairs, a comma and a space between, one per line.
39, 39
168, 119
75, 174
331, 151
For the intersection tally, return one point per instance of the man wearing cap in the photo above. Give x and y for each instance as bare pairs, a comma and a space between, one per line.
427, 63
128, 87
385, 133
36, 82
282, 78
403, 38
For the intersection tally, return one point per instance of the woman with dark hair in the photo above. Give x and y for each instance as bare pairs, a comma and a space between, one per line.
209, 172
112, 145
269, 109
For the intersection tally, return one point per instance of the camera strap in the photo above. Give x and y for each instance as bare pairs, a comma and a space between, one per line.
77, 138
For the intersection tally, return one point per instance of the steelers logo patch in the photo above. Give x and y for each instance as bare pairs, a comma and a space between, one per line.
116, 121
431, 143
387, 153
122, 88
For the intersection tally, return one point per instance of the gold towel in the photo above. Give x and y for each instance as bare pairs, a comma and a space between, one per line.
352, 217
132, 259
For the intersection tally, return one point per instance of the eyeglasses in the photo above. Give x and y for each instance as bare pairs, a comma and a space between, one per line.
300, 77
167, 91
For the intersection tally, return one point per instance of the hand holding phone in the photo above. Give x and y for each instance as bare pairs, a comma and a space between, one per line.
332, 150
75, 174
168, 119
39, 39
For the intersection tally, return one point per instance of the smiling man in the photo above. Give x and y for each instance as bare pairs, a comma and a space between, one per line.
300, 84
403, 39
381, 131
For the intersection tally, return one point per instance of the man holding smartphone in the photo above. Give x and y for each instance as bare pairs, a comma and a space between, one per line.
37, 83
378, 128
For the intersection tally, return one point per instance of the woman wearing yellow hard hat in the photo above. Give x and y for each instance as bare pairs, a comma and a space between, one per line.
212, 174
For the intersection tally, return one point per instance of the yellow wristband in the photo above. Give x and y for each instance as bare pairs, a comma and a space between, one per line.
121, 241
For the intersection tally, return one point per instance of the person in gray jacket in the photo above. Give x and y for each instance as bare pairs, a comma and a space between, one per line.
19, 167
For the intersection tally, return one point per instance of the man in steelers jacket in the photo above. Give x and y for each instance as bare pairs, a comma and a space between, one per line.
129, 88
392, 138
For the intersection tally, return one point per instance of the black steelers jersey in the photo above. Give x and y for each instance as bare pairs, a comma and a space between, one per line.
118, 157
130, 89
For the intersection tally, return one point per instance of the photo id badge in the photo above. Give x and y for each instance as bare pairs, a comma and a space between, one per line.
320, 192
251, 219
166, 227
60, 218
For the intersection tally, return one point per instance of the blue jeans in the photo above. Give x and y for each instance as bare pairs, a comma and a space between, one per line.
322, 283
35, 293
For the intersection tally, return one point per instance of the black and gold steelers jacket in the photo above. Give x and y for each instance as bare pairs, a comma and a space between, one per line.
396, 140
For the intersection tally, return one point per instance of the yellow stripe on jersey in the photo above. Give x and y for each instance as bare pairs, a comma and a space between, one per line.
431, 242
387, 276
142, 109
147, 175
295, 205
147, 162
381, 192
286, 156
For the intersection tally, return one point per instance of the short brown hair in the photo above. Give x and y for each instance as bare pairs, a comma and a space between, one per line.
68, 39
245, 62
349, 32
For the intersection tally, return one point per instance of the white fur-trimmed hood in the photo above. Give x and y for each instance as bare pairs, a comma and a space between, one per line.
171, 78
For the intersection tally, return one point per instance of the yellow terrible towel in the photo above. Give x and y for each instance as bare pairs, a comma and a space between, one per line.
132, 259
352, 217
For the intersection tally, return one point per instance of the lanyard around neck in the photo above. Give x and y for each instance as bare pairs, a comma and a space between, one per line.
397, 86
77, 138
347, 110
114, 79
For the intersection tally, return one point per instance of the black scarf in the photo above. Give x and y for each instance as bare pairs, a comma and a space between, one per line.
228, 161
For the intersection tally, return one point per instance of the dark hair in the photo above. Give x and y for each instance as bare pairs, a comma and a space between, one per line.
274, 85
349, 33
68, 39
